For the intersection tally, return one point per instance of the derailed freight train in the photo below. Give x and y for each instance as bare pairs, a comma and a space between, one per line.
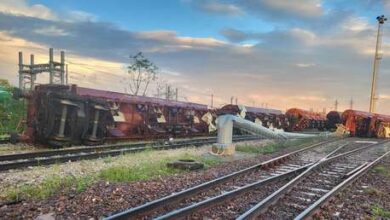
62, 115
364, 124
300, 119
270, 118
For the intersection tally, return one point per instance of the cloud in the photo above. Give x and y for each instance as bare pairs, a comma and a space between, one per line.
22, 8
212, 6
235, 35
51, 31
273, 69
384, 97
80, 16
305, 65
303, 8
271, 10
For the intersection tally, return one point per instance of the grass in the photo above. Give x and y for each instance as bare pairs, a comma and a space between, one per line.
144, 165
151, 168
126, 168
378, 211
373, 191
271, 147
382, 170
49, 186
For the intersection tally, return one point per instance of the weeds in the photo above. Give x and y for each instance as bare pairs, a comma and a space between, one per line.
378, 211
382, 170
373, 191
148, 169
130, 167
49, 187
271, 147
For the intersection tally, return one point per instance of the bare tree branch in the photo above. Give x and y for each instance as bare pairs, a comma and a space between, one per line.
141, 72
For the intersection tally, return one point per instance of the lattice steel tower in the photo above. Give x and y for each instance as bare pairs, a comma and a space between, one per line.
381, 20
28, 72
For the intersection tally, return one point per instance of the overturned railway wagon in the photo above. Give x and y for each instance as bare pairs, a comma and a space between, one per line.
270, 118
332, 119
300, 119
365, 124
64, 115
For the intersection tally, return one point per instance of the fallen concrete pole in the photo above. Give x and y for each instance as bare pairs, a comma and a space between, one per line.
225, 133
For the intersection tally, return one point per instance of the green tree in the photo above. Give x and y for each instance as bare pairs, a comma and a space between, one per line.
142, 72
5, 85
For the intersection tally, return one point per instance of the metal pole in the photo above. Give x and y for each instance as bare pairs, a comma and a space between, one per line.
373, 98
32, 74
20, 71
51, 66
351, 104
62, 67
67, 75
212, 100
168, 92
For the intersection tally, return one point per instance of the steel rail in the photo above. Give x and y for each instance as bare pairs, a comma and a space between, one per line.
265, 203
37, 158
45, 153
311, 210
148, 207
217, 199
213, 201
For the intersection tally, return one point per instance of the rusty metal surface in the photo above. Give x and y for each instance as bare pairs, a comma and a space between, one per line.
364, 124
125, 98
65, 115
300, 119
270, 118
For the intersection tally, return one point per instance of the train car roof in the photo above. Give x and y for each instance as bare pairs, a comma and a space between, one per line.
253, 109
365, 114
263, 110
121, 97
305, 113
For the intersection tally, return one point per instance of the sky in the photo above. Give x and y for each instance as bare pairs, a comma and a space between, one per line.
283, 54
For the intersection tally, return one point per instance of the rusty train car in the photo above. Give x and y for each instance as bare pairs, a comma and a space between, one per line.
332, 119
62, 115
270, 118
364, 124
300, 119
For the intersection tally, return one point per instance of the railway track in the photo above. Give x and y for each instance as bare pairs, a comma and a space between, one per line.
198, 198
47, 157
303, 195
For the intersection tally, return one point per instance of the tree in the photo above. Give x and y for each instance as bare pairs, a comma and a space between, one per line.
142, 72
5, 85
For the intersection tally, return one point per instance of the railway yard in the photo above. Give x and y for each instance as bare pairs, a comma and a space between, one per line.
83, 153
110, 140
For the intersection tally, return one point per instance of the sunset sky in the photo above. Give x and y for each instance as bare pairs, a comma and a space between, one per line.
303, 53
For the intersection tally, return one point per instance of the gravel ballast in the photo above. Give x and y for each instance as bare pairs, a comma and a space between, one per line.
367, 198
103, 197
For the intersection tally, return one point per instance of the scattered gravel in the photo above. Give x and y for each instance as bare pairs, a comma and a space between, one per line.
103, 198
17, 148
358, 200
